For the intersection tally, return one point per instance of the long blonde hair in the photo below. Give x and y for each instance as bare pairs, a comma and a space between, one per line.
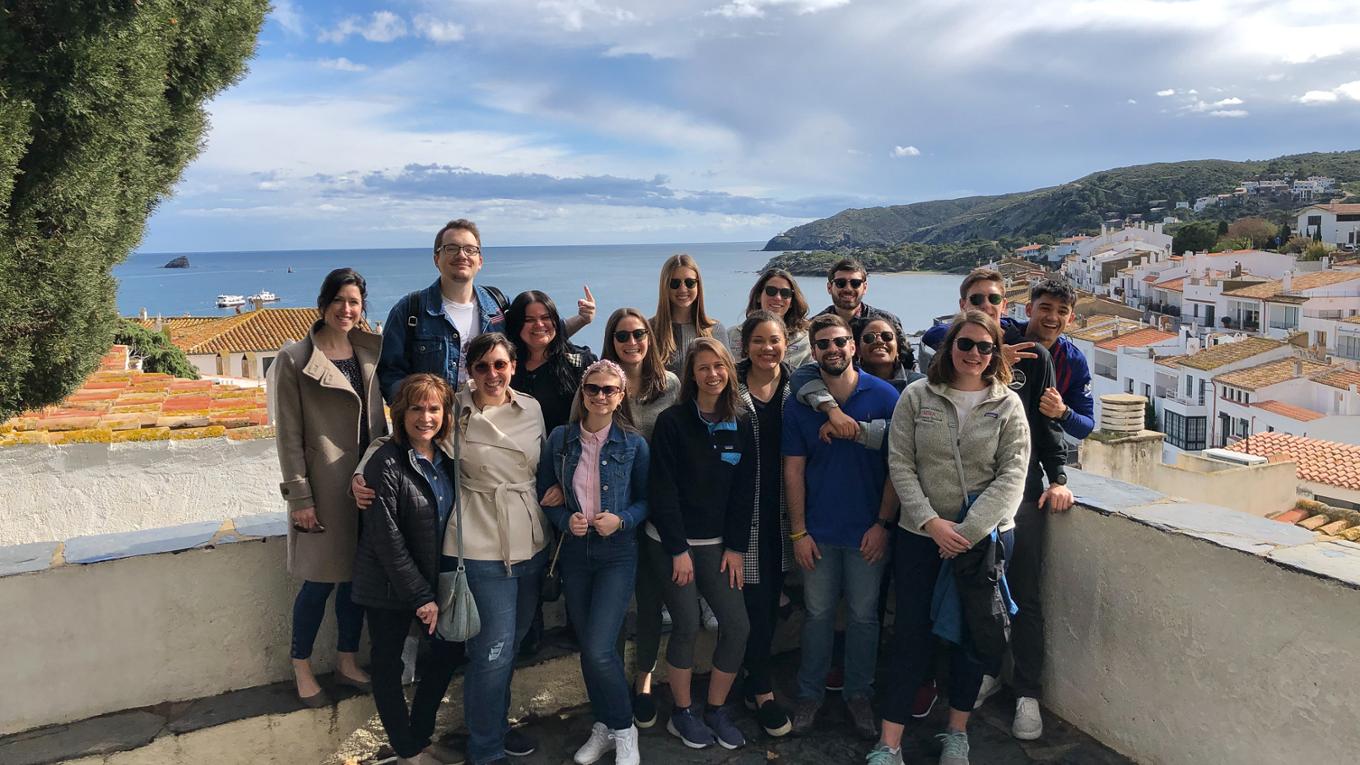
662, 336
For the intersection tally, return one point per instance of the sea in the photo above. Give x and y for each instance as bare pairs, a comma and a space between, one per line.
618, 275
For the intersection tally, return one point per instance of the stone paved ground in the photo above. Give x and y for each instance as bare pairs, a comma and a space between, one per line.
831, 741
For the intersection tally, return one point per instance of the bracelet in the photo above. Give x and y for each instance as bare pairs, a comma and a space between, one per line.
797, 536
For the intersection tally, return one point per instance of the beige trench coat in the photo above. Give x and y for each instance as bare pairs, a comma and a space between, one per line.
317, 425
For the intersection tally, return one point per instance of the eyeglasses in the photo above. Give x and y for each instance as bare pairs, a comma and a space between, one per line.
885, 337
470, 250
689, 283
856, 283
783, 292
984, 347
826, 342
593, 390
622, 335
991, 297
482, 367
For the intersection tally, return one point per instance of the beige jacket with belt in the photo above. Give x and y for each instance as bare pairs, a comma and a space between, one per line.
498, 462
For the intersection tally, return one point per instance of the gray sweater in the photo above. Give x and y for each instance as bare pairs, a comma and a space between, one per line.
644, 415
934, 467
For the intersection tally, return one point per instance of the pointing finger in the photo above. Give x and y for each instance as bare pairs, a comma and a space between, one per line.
589, 296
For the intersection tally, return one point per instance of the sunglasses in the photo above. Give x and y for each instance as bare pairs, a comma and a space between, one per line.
840, 283
992, 298
689, 283
884, 337
984, 347
826, 342
783, 292
593, 390
482, 367
622, 335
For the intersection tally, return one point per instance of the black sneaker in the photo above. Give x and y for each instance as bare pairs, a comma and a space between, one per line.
644, 710
519, 744
773, 719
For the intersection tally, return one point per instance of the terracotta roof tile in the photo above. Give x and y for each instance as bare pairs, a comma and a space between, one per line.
263, 329
1224, 354
1299, 283
119, 405
1174, 285
1337, 208
1339, 377
1136, 338
1328, 462
1269, 373
1296, 413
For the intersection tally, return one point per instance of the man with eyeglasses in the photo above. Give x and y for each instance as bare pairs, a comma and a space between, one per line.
841, 507
427, 330
847, 282
1035, 379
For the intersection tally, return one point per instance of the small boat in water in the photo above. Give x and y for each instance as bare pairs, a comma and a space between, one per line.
230, 301
264, 296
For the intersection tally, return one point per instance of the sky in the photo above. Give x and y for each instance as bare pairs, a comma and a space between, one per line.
370, 124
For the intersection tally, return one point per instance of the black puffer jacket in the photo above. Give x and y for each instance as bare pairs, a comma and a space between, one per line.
397, 563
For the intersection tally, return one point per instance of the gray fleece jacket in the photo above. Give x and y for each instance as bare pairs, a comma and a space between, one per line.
934, 467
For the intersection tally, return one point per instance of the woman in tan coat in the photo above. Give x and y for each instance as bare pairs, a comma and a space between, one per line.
328, 408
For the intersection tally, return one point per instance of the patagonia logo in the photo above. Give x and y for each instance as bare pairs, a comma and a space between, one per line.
930, 416
1017, 379
731, 458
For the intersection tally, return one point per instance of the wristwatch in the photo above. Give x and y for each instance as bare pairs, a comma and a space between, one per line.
887, 523
1061, 480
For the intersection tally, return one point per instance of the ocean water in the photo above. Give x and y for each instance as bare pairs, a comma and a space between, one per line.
618, 275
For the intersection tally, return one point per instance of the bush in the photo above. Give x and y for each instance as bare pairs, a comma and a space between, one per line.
101, 108
155, 350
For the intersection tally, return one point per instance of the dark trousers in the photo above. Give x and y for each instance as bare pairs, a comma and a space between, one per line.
408, 731
1024, 575
647, 593
762, 611
309, 609
917, 561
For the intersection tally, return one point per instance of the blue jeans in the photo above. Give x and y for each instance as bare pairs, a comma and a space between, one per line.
842, 570
309, 609
505, 603
597, 578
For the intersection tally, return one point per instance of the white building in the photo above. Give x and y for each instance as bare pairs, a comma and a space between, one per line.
1279, 308
1338, 223
1296, 396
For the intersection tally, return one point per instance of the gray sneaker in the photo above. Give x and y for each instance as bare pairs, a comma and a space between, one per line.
805, 714
862, 716
884, 755
954, 747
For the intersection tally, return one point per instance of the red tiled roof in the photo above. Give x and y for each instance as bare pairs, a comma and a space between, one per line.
1298, 283
1292, 412
1326, 462
1339, 378
1137, 338
117, 404
1029, 248
1174, 285
1337, 208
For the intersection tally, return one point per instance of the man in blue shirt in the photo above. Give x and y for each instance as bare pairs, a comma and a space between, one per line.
841, 506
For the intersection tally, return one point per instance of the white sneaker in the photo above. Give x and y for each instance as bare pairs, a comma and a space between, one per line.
1028, 724
990, 685
600, 741
409, 650
710, 619
626, 746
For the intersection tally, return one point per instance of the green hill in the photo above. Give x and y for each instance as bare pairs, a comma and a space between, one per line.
1080, 205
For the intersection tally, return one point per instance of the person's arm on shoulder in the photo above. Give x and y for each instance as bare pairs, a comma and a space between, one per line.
1002, 496
934, 336
382, 527
392, 364
287, 393
639, 472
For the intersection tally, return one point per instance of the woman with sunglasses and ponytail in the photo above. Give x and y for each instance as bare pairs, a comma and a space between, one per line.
959, 448
680, 317
593, 478
652, 389
777, 291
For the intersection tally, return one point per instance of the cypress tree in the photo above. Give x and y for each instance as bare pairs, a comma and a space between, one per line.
101, 109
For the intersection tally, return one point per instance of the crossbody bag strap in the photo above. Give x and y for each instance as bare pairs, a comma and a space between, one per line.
457, 493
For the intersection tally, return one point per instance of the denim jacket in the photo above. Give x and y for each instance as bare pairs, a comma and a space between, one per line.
624, 461
435, 345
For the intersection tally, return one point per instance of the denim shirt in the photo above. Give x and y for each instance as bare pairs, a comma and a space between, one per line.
624, 462
433, 344
437, 475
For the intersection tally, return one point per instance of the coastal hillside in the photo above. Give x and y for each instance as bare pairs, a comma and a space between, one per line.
1069, 208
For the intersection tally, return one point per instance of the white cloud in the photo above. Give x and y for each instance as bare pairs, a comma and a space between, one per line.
437, 30
573, 15
381, 27
342, 64
901, 152
1234, 101
1133, 101
1192, 91
1318, 97
1167, 92
745, 9
1349, 90
287, 15
1229, 113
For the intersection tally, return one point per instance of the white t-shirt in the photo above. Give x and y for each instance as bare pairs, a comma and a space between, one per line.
464, 318
965, 401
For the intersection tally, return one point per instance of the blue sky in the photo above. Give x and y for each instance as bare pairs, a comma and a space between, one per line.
596, 121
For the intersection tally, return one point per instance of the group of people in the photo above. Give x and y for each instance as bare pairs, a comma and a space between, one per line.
687, 466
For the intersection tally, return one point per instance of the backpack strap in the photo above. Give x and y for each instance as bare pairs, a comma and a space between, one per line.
497, 296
